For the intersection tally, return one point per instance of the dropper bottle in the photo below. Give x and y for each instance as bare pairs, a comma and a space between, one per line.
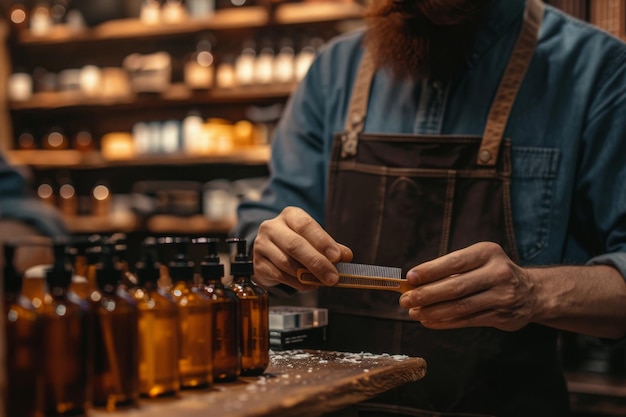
253, 313
68, 351
226, 331
195, 320
158, 328
23, 341
116, 356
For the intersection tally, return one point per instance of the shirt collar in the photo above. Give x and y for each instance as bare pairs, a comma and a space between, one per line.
503, 15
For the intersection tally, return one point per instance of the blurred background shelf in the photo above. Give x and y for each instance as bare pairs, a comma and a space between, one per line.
43, 159
225, 19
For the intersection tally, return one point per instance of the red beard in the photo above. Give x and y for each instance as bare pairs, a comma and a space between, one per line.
418, 39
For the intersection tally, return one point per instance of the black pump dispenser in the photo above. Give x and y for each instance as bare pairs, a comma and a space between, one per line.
147, 268
60, 275
181, 268
12, 280
241, 265
211, 268
107, 274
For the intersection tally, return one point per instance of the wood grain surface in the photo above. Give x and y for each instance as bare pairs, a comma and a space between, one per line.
297, 383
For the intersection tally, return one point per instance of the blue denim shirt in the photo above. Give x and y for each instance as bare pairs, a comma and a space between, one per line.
567, 127
18, 203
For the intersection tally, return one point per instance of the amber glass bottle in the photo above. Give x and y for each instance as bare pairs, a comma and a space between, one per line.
253, 313
23, 344
158, 329
226, 332
115, 338
93, 252
80, 284
195, 321
68, 352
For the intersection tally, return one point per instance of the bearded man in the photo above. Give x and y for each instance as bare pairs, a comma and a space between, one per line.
481, 147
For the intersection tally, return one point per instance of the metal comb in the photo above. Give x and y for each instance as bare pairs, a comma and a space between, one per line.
362, 276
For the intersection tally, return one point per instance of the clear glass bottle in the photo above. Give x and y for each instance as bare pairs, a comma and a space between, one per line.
253, 313
23, 344
195, 321
158, 329
115, 337
68, 351
226, 331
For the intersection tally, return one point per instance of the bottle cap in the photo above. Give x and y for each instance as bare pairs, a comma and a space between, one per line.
241, 265
60, 275
147, 268
107, 274
12, 280
181, 268
211, 268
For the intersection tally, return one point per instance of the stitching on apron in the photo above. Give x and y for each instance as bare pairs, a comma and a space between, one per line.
447, 215
382, 190
415, 172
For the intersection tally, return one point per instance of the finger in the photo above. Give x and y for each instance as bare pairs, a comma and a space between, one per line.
456, 262
310, 245
306, 227
477, 320
488, 318
268, 275
271, 267
446, 289
346, 254
456, 309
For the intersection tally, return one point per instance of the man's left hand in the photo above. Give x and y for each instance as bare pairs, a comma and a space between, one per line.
479, 286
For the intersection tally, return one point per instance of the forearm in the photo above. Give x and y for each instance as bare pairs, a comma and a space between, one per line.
589, 300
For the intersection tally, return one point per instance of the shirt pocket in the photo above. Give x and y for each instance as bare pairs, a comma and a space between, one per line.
532, 197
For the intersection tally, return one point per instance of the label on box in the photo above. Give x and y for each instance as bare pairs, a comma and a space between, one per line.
294, 317
309, 338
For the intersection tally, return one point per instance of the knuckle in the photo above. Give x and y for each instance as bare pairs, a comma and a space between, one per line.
316, 264
458, 289
292, 243
417, 297
492, 248
301, 224
462, 307
456, 261
265, 227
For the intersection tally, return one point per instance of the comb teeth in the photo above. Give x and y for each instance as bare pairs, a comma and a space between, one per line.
363, 270
360, 282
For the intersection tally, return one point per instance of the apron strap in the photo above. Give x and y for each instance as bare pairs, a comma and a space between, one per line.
511, 82
355, 119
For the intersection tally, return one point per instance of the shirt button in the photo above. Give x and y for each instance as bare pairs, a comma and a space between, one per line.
484, 156
356, 118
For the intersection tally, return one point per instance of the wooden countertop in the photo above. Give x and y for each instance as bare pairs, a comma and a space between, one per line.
297, 383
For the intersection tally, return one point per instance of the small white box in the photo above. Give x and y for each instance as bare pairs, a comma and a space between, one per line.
295, 317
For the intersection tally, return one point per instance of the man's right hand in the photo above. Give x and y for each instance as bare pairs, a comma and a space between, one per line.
293, 240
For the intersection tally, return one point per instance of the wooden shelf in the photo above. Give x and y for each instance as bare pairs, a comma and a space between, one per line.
596, 384
253, 155
226, 19
102, 224
177, 94
197, 224
593, 394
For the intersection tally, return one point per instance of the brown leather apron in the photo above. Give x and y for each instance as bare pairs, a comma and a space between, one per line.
399, 200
